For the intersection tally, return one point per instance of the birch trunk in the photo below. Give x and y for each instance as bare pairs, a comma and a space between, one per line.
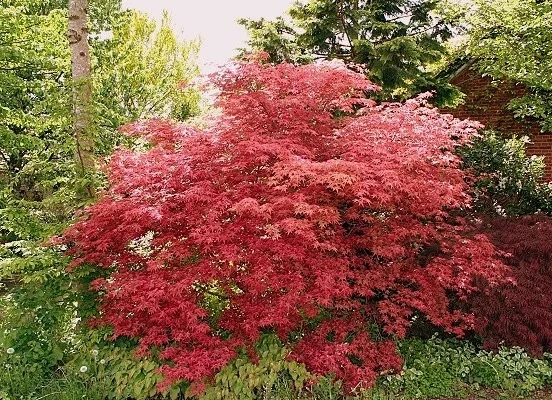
82, 88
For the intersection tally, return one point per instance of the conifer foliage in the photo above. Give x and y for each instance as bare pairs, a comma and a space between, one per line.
304, 209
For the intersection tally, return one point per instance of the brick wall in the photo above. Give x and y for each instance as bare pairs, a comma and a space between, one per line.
486, 102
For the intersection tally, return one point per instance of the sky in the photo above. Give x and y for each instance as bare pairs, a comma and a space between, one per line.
213, 21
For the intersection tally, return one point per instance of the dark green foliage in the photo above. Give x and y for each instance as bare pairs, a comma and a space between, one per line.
508, 182
437, 368
433, 368
94, 368
277, 38
395, 41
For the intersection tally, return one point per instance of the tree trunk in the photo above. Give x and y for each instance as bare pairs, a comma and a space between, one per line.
82, 91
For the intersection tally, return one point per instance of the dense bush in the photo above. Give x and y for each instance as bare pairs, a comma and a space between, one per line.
507, 181
520, 313
509, 184
304, 210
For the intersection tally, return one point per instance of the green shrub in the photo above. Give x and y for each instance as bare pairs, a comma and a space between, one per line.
271, 377
449, 368
508, 181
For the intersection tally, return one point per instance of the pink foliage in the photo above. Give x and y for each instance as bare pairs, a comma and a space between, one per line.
304, 201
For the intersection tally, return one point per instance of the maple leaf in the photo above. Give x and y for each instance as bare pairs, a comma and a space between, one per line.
288, 206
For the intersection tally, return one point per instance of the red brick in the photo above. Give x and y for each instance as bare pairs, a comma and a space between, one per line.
486, 101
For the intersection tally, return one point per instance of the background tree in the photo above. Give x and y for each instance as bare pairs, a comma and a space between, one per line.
142, 72
513, 40
36, 142
81, 80
37, 155
395, 40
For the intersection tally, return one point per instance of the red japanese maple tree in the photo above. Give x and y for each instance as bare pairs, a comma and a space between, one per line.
520, 313
305, 209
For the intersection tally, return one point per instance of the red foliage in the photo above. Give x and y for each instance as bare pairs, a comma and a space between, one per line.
520, 314
308, 208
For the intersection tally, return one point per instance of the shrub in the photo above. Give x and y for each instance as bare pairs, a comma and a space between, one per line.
38, 313
450, 368
304, 210
507, 181
520, 313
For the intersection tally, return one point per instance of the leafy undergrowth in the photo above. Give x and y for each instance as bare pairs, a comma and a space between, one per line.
434, 369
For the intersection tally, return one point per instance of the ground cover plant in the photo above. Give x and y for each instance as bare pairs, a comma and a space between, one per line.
303, 210
433, 369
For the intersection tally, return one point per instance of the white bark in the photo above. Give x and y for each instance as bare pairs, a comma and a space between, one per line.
82, 86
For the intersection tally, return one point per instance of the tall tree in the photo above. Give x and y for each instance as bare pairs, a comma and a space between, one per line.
395, 39
513, 40
82, 87
152, 68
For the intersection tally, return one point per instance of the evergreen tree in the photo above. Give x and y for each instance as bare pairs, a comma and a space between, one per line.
395, 40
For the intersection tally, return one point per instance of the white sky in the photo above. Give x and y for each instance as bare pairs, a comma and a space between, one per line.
213, 21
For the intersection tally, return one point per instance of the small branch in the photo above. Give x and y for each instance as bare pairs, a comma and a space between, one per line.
399, 17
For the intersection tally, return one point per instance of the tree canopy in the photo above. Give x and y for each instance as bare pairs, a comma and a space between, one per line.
395, 40
142, 70
305, 210
513, 40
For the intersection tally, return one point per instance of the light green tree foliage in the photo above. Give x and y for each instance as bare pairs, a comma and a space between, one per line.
35, 148
512, 39
136, 75
396, 40
508, 181
37, 163
142, 71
